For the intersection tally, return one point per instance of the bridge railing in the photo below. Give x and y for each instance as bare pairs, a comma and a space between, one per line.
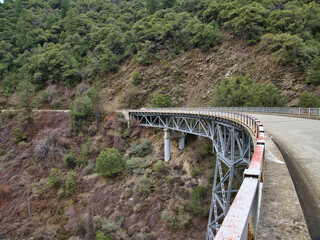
299, 111
241, 221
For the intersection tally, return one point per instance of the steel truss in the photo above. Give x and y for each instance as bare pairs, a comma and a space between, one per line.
233, 147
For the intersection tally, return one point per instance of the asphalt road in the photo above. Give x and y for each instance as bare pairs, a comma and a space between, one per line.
298, 140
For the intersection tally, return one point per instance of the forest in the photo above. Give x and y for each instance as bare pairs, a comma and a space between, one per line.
71, 41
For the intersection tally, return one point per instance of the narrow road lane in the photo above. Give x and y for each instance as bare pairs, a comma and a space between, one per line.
299, 142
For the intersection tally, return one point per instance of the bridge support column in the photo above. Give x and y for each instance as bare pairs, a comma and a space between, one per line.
166, 144
181, 143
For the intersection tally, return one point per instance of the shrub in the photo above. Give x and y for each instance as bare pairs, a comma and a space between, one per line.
248, 21
55, 178
169, 217
205, 149
307, 99
70, 159
241, 91
313, 75
142, 149
145, 185
83, 155
158, 166
70, 184
196, 203
18, 135
110, 163
136, 78
81, 111
10, 114
175, 215
196, 171
52, 145
102, 236
286, 48
161, 100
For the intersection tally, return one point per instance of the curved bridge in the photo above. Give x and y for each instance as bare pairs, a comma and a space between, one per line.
238, 140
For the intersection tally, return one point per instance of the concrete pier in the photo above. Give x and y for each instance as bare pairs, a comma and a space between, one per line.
166, 144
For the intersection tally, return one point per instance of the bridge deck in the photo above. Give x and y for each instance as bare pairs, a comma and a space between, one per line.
281, 215
299, 142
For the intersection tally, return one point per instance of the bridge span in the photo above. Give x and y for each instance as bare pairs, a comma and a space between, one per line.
299, 142
239, 142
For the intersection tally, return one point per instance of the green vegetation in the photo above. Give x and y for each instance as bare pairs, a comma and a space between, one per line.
142, 149
241, 91
136, 78
205, 149
175, 215
81, 111
68, 41
70, 184
307, 99
110, 163
102, 236
70, 159
196, 171
158, 166
196, 203
55, 178
160, 100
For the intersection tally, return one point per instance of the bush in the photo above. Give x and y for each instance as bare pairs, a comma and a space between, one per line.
18, 135
196, 203
196, 171
241, 91
83, 155
307, 99
313, 75
55, 178
145, 185
81, 111
161, 100
286, 48
70, 159
158, 166
70, 184
110, 163
248, 21
102, 236
205, 149
142, 149
136, 78
51, 146
169, 217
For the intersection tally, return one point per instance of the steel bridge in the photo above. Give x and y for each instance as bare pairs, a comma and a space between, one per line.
238, 140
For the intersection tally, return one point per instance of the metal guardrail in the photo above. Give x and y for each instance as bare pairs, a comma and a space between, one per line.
299, 111
241, 221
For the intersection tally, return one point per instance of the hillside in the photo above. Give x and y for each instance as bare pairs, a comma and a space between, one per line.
180, 48
149, 200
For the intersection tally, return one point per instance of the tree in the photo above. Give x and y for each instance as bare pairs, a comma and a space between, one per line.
286, 48
241, 91
313, 74
248, 21
65, 5
81, 111
152, 6
161, 100
110, 163
307, 99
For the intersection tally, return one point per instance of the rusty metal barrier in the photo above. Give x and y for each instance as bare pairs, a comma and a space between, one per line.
241, 220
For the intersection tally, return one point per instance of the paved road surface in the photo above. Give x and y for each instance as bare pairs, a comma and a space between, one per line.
299, 142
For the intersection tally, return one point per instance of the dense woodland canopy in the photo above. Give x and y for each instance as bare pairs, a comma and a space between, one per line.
69, 41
